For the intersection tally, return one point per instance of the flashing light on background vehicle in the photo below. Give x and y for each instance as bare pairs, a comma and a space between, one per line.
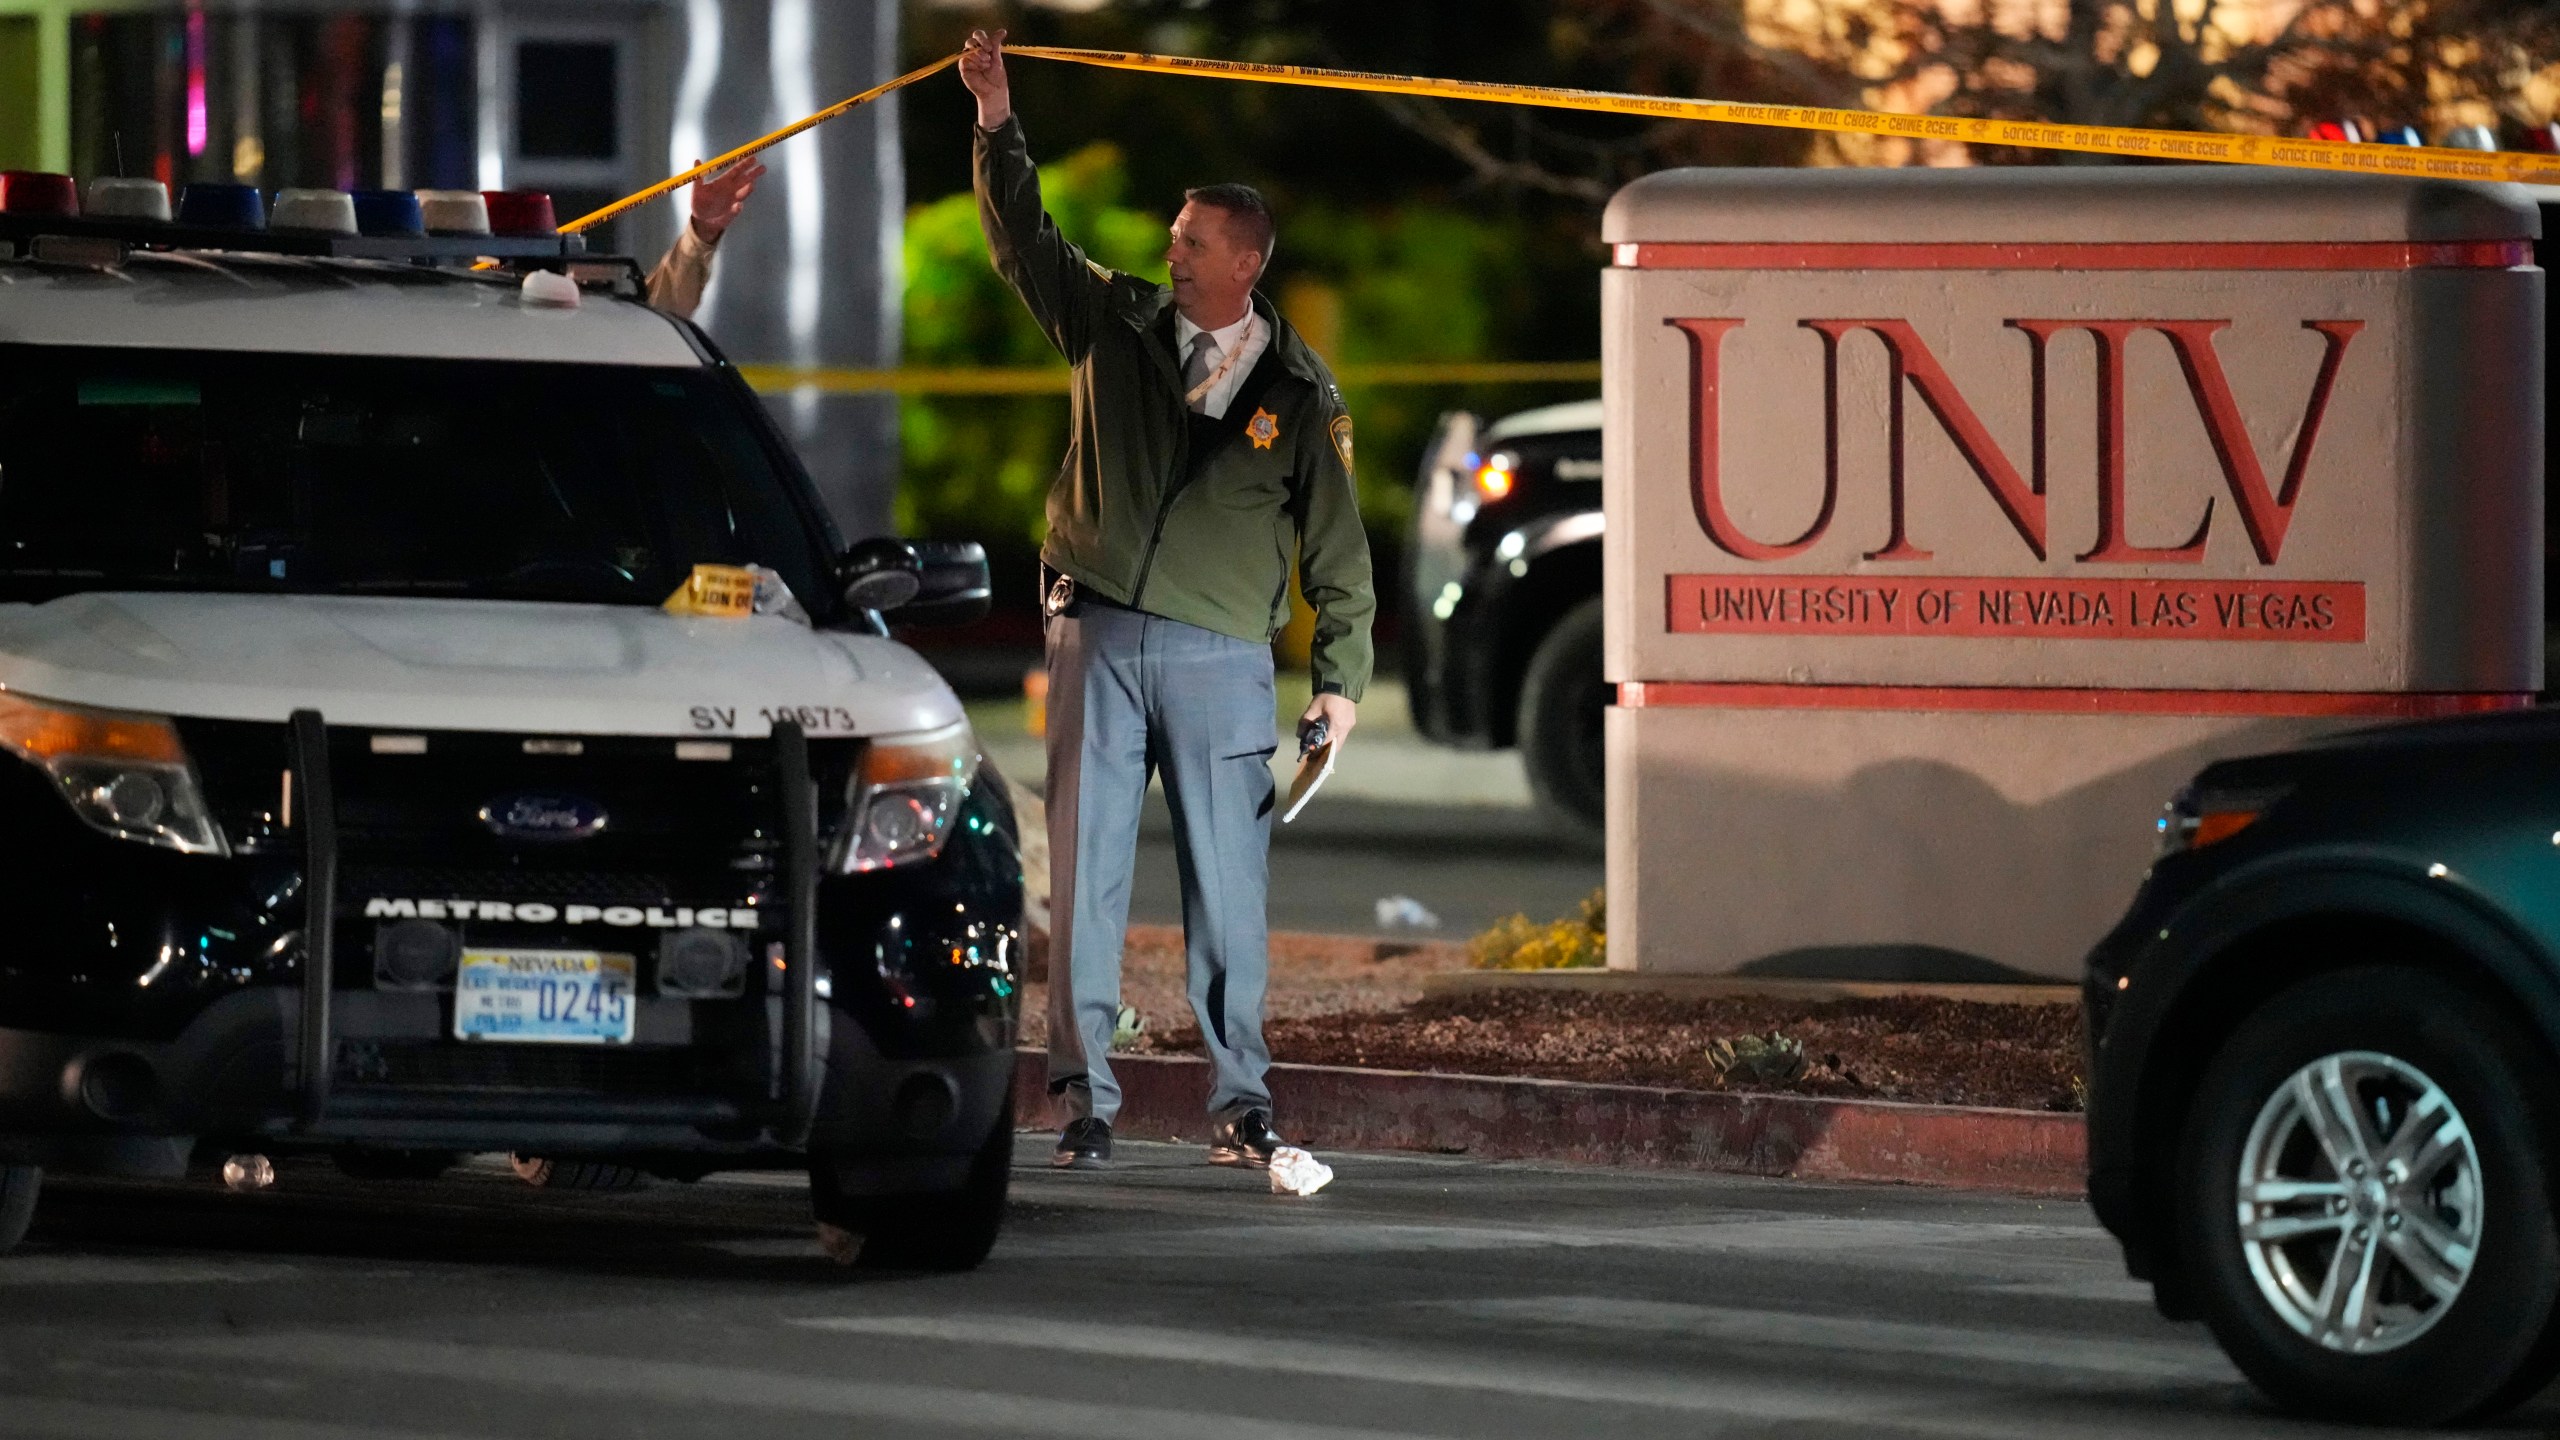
37, 192
1495, 477
2469, 137
2346, 131
2399, 135
2193, 819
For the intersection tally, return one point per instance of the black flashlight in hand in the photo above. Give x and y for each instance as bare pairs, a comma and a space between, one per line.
1312, 738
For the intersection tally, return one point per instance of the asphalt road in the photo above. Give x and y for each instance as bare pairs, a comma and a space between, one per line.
1417, 1297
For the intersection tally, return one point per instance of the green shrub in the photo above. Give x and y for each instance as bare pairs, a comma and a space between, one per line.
1771, 1059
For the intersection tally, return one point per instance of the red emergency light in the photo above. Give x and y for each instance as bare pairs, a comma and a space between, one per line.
1495, 477
520, 212
38, 192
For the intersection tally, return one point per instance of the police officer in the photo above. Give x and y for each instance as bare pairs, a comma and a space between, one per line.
677, 284
1209, 448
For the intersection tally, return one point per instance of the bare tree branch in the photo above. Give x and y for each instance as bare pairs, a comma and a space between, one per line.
1433, 123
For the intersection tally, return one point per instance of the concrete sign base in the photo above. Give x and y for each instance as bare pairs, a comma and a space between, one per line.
1786, 839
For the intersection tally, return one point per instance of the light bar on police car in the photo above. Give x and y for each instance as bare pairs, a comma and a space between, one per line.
125, 775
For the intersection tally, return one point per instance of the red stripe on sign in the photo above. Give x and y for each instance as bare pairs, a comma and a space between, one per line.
1719, 695
2261, 255
2016, 607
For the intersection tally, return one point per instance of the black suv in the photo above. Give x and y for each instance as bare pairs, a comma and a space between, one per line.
2324, 1055
1503, 597
437, 716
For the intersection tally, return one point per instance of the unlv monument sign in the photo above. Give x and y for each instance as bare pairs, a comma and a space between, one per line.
1955, 517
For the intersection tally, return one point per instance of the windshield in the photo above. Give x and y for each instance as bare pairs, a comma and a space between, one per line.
126, 469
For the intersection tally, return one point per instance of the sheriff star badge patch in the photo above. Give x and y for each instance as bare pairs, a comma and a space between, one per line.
1263, 428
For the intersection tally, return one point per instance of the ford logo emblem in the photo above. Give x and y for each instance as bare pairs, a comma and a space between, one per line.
538, 816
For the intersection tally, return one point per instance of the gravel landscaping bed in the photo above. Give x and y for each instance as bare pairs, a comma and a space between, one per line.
1348, 1001
1933, 1051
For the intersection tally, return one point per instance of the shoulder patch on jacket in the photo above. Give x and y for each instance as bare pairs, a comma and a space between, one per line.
1341, 428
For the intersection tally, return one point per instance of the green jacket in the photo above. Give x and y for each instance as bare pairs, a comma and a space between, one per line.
1163, 510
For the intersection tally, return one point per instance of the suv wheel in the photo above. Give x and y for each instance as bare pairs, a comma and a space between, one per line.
946, 1230
1564, 705
18, 1187
2364, 1205
577, 1174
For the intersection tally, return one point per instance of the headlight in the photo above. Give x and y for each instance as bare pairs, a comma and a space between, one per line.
904, 797
126, 775
2195, 819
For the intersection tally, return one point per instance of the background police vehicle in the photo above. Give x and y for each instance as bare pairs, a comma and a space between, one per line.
359, 796
1502, 592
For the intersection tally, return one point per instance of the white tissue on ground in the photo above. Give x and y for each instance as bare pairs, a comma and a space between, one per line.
1295, 1172
1403, 912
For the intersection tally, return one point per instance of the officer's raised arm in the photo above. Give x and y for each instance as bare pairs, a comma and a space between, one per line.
1063, 289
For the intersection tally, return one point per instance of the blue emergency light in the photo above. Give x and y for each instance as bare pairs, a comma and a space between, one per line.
389, 212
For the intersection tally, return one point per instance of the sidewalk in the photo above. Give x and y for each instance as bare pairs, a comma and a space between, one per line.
1385, 761
1452, 830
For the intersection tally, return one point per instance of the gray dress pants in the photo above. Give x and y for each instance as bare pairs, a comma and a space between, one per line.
1130, 694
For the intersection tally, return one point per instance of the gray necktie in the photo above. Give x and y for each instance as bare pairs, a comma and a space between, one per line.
1204, 362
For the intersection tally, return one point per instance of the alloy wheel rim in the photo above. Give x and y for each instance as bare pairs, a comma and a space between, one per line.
2360, 1202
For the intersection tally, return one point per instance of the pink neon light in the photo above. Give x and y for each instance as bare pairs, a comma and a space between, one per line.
197, 125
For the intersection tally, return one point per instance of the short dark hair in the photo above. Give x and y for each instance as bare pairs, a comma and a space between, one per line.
1248, 215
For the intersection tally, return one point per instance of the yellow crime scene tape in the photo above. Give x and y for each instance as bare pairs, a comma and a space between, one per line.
2422, 162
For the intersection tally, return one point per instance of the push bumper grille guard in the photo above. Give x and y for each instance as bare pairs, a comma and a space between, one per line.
315, 810
314, 813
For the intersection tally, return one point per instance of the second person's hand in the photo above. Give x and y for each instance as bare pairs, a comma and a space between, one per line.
982, 70
719, 196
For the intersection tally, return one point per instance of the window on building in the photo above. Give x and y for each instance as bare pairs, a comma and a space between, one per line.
567, 100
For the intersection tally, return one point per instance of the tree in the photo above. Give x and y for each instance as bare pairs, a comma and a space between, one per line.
2266, 68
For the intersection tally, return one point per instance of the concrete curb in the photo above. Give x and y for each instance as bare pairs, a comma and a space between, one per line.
1721, 987
1330, 1107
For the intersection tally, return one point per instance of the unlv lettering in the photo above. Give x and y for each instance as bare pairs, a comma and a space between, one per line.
2265, 511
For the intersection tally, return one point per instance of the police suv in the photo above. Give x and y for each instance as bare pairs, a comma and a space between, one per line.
436, 716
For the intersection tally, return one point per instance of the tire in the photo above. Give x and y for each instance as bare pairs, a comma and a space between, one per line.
18, 1187
589, 1175
395, 1164
1563, 704
945, 1231
2444, 1072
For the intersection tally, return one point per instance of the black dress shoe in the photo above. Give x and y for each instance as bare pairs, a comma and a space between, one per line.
1085, 1145
1245, 1140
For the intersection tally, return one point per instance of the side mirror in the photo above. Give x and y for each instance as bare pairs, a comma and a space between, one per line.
879, 574
956, 586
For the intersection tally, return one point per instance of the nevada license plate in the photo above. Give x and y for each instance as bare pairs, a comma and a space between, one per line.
559, 997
